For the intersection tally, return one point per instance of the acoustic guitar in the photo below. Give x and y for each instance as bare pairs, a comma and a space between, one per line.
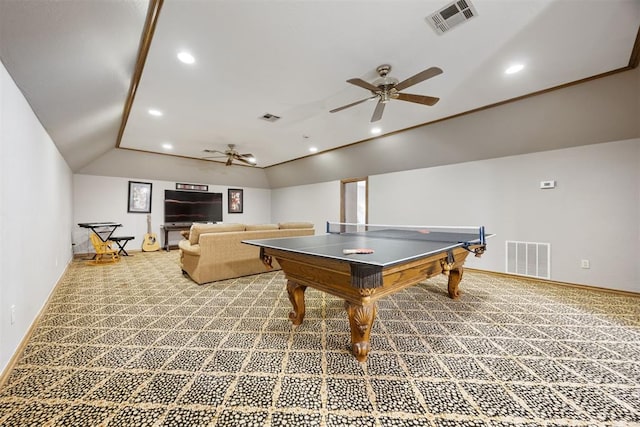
150, 243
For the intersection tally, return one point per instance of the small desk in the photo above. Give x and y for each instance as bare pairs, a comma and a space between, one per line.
176, 226
94, 226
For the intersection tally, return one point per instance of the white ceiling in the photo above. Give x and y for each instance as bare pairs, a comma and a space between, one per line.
74, 61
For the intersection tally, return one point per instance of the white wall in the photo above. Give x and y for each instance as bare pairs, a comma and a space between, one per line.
317, 203
103, 198
35, 216
593, 213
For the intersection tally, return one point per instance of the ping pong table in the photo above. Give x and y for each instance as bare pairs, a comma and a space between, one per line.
401, 256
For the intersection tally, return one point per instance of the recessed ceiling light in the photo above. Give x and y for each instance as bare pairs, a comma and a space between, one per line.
186, 57
313, 149
514, 69
376, 131
167, 146
154, 112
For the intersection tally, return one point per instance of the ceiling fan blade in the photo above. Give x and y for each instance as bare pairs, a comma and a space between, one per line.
229, 161
377, 113
363, 84
246, 155
335, 110
215, 157
240, 159
206, 150
418, 99
421, 76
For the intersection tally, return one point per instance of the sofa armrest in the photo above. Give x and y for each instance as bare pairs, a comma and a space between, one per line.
188, 248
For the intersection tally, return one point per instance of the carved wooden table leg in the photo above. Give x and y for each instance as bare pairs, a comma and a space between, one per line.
455, 275
296, 296
361, 320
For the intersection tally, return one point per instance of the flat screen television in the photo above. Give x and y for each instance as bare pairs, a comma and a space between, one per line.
185, 207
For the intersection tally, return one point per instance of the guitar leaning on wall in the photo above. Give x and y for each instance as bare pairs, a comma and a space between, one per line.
150, 243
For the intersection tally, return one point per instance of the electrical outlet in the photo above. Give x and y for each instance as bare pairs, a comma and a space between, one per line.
13, 314
585, 263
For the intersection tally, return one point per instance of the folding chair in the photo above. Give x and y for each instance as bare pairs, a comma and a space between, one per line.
103, 249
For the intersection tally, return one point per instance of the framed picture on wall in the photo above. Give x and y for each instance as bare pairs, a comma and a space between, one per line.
139, 197
235, 200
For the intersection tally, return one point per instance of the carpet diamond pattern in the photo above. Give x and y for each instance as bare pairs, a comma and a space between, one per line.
136, 343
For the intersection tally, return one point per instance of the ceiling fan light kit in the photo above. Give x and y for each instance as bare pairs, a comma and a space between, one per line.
386, 88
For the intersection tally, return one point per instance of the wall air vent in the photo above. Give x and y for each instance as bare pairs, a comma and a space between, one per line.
528, 259
451, 15
270, 117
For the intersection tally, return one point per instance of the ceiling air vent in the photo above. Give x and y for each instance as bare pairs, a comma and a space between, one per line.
270, 117
451, 15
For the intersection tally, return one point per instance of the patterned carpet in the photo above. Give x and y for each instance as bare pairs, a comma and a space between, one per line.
136, 344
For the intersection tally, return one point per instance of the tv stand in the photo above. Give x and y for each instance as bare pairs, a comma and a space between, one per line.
173, 226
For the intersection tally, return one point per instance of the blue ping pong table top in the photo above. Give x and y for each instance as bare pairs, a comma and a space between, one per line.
388, 249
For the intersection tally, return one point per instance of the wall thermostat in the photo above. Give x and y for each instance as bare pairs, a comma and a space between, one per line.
547, 184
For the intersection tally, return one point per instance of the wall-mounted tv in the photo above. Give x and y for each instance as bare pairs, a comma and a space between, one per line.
185, 207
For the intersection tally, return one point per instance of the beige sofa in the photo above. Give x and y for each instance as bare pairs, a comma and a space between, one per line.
216, 252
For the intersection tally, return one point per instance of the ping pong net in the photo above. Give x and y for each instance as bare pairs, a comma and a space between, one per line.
466, 236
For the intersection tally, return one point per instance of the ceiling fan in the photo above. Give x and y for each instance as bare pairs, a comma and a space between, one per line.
232, 154
387, 88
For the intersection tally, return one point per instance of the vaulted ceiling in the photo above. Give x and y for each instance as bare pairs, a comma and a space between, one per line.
92, 71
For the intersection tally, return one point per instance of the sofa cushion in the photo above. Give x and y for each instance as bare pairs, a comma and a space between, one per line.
259, 227
198, 229
290, 225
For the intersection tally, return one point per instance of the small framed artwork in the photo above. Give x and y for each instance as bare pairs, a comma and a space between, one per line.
235, 200
194, 187
139, 197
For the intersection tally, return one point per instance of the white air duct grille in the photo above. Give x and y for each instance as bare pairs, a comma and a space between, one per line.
528, 259
451, 15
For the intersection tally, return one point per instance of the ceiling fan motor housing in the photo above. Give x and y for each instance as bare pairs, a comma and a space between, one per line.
385, 84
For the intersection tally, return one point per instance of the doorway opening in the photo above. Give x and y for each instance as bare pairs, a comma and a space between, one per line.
354, 200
